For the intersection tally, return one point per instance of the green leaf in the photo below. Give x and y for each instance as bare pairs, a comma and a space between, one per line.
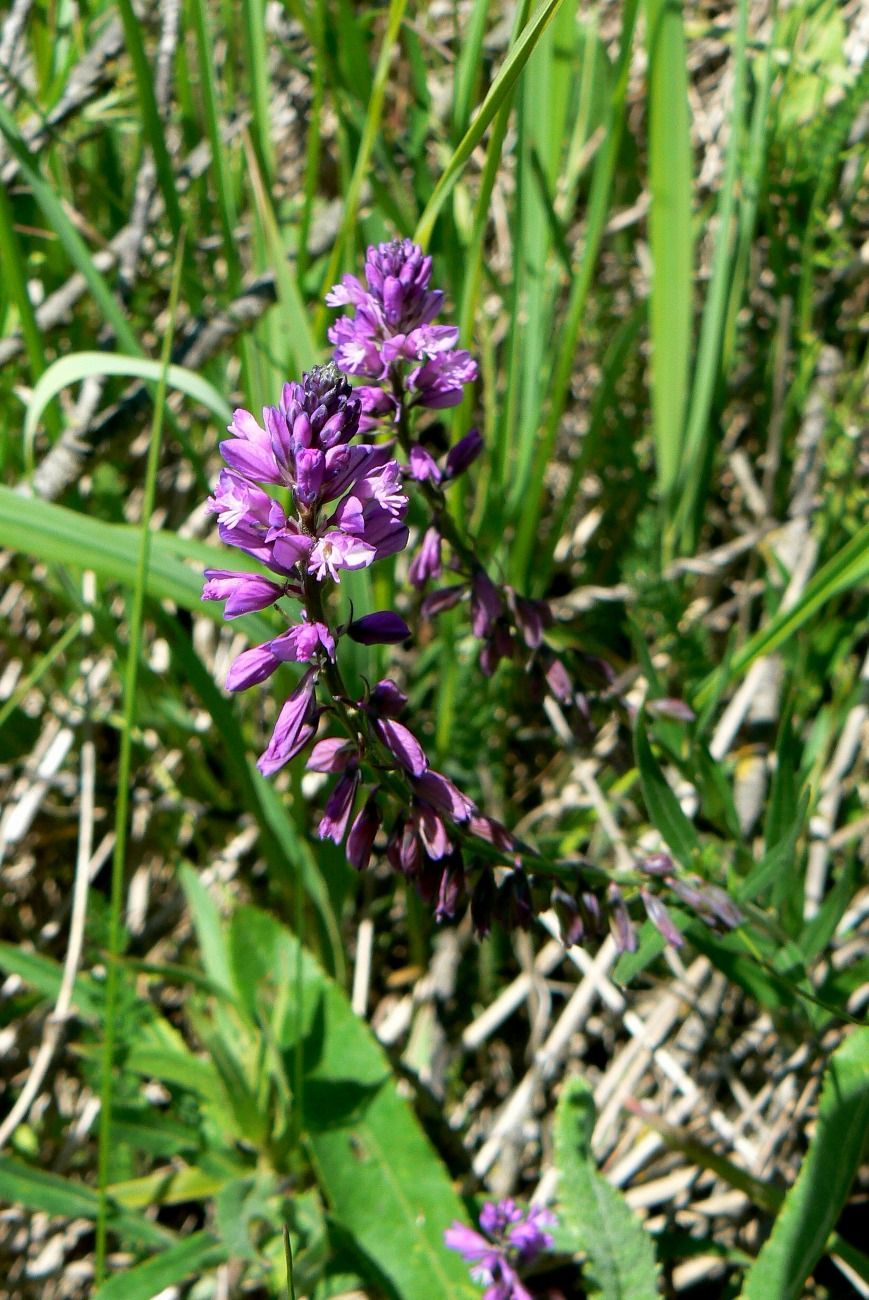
386, 1186
621, 1257
36, 1189
192, 1255
662, 805
816, 1199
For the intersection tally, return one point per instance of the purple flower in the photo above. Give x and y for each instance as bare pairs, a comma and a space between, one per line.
402, 744
427, 561
440, 381
382, 628
331, 755
363, 832
391, 328
661, 919
620, 923
333, 824
514, 1239
337, 550
251, 667
463, 454
243, 592
302, 642
294, 727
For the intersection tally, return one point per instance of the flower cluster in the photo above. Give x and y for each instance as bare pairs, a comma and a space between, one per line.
308, 502
391, 340
514, 1238
347, 510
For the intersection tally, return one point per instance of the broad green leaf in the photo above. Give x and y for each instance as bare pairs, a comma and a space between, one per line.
76, 366
815, 1201
386, 1186
662, 805
209, 928
621, 1257
192, 1255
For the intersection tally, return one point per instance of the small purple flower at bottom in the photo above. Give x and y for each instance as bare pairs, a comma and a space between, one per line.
514, 1238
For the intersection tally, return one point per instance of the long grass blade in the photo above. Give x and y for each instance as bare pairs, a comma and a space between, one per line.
670, 237
131, 677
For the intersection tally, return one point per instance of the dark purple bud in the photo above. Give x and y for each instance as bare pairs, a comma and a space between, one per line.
620, 923
532, 618
497, 646
382, 628
339, 805
661, 919
569, 919
558, 680
492, 832
423, 465
452, 888
403, 744
331, 755
431, 831
463, 454
514, 906
428, 879
589, 906
386, 700
486, 604
671, 708
427, 561
440, 792
363, 833
436, 602
657, 864
483, 903
711, 904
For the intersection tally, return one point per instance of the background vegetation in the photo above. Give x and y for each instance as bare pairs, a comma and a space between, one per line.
651, 226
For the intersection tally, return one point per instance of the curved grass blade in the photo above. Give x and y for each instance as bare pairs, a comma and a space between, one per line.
498, 91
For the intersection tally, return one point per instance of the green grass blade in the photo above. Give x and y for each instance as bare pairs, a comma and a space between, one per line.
468, 66
498, 92
194, 1254
670, 237
75, 247
152, 124
134, 649
366, 147
814, 1202
697, 451
599, 201
76, 366
847, 569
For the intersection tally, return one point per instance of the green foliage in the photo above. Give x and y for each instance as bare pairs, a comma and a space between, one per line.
620, 1256
813, 1205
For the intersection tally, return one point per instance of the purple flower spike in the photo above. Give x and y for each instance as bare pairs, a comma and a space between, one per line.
440, 382
403, 744
363, 832
333, 824
382, 628
294, 727
447, 798
243, 592
437, 602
